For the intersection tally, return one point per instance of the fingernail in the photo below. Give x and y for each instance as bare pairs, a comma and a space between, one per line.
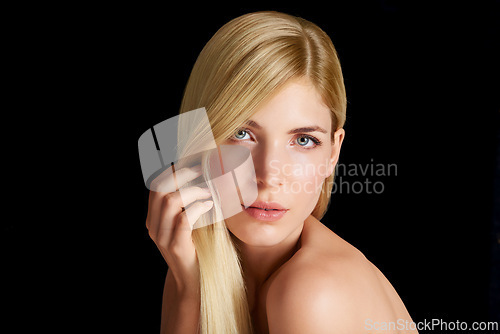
208, 203
206, 190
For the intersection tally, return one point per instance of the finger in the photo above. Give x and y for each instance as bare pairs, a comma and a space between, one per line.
184, 175
190, 194
168, 182
171, 179
151, 214
180, 239
172, 204
156, 203
189, 217
164, 182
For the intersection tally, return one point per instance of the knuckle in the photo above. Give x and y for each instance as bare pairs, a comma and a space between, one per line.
183, 219
175, 248
160, 237
151, 234
169, 199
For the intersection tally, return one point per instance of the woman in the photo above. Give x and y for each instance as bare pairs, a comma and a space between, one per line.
272, 83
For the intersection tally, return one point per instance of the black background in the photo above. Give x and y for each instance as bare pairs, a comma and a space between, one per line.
422, 94
422, 87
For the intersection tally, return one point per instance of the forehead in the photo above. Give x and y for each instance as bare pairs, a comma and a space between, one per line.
297, 103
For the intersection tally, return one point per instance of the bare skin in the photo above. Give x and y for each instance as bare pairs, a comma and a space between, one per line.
325, 264
300, 276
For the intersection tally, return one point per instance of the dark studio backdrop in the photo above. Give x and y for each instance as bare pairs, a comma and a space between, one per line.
422, 122
422, 86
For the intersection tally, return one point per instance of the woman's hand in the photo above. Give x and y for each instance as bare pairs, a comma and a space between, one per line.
170, 226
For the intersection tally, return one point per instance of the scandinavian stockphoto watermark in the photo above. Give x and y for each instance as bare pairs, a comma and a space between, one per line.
186, 141
363, 178
353, 178
429, 325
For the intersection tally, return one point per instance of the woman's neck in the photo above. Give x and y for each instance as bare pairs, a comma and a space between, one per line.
260, 262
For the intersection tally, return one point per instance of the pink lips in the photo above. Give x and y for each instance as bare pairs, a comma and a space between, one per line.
266, 211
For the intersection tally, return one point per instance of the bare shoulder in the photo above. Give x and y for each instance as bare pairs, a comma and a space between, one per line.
329, 286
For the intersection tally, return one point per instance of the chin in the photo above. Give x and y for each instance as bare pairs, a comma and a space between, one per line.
256, 233
253, 232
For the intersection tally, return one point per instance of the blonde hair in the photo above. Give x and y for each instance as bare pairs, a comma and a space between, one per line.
243, 64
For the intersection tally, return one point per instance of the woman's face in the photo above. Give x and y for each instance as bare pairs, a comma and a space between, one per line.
290, 141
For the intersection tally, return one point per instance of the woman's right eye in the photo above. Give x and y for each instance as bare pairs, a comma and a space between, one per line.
241, 134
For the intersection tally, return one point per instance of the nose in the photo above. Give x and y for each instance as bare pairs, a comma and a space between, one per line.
268, 159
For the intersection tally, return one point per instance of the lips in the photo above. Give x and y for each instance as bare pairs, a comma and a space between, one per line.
267, 206
265, 211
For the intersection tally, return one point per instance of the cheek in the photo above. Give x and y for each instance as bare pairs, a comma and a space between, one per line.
303, 175
303, 179
306, 172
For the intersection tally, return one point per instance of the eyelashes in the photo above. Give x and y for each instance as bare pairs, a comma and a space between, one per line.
240, 134
315, 140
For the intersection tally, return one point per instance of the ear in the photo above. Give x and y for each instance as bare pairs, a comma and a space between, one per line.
338, 138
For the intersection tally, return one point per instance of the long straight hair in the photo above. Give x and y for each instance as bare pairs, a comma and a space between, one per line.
244, 64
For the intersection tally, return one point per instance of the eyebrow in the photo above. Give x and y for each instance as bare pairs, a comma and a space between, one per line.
312, 128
